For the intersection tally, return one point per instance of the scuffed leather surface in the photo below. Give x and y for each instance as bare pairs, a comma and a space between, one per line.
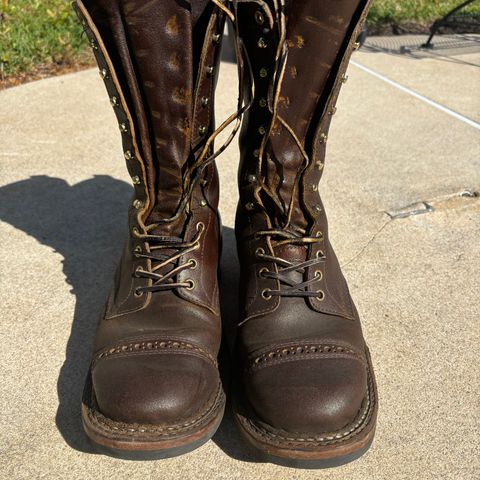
148, 49
319, 393
271, 391
161, 388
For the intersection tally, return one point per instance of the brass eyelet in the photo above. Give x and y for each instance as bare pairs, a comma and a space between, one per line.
138, 293
318, 274
323, 137
320, 295
138, 270
261, 271
200, 226
259, 18
261, 43
320, 254
259, 251
135, 232
193, 263
137, 250
191, 283
266, 294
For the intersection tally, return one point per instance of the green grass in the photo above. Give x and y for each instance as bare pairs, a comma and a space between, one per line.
42, 32
389, 11
34, 32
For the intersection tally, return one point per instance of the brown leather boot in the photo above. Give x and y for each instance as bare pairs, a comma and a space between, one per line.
305, 393
154, 389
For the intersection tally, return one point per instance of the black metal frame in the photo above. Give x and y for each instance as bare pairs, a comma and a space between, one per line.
442, 21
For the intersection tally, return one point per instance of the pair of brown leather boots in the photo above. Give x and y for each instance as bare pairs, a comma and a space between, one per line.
304, 392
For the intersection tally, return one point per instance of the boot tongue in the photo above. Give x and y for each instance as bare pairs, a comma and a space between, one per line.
294, 254
169, 233
304, 90
166, 229
283, 166
161, 37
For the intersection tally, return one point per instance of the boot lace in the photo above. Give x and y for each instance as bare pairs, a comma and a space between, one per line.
289, 288
166, 281
164, 251
287, 234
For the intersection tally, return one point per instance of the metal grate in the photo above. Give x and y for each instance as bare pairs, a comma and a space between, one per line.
457, 18
451, 45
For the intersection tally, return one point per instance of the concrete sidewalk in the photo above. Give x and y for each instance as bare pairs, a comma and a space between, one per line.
63, 196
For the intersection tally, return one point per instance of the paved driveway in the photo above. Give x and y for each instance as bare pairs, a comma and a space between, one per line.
399, 189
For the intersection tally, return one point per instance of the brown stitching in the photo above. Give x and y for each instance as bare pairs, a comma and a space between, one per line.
202, 250
207, 50
102, 54
270, 306
305, 357
196, 299
211, 52
251, 300
89, 24
150, 346
302, 352
327, 439
131, 429
342, 68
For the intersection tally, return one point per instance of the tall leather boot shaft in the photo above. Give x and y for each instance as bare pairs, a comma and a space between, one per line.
304, 374
157, 61
154, 382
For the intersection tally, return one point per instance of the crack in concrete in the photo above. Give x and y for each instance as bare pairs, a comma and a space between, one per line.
444, 202
451, 201
410, 210
368, 243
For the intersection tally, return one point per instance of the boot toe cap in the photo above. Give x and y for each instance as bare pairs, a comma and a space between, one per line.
165, 389
308, 396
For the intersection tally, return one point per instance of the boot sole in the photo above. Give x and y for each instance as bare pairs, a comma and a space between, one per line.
273, 447
129, 442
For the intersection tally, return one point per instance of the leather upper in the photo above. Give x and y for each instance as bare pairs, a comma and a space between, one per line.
312, 376
155, 349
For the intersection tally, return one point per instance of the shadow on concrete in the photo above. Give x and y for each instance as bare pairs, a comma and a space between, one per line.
86, 224
447, 48
227, 437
